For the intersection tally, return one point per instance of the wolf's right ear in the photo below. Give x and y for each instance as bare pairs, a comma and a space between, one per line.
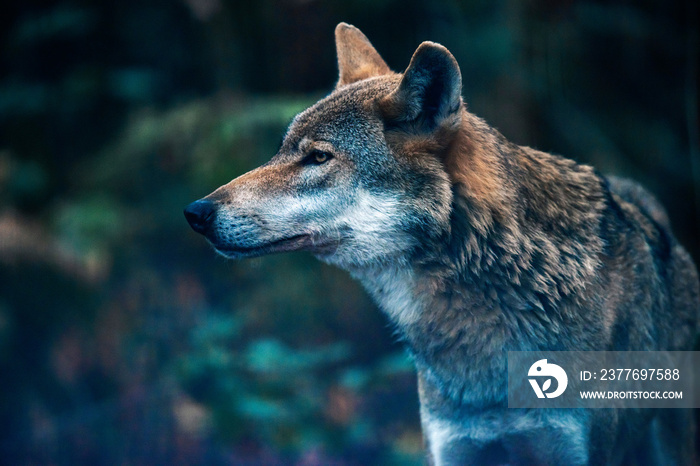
430, 91
357, 58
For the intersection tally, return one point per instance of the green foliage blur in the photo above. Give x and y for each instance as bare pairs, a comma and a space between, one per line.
124, 339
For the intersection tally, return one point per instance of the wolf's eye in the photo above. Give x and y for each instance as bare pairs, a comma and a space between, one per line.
318, 157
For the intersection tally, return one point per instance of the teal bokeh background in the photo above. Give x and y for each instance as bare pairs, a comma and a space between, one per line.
124, 339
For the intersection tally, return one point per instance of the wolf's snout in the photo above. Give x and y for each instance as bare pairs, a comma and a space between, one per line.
200, 215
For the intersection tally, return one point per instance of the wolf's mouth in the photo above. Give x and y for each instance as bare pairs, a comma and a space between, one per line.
292, 243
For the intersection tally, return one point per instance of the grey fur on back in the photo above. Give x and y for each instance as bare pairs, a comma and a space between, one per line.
634, 193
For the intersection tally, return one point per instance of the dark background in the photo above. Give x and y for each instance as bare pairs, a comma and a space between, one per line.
125, 340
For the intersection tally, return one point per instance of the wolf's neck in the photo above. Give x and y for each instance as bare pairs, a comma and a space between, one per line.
398, 291
521, 218
522, 240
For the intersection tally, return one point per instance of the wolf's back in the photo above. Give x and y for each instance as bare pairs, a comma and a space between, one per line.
636, 194
675, 266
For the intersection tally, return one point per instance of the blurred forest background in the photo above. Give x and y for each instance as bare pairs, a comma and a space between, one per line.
125, 340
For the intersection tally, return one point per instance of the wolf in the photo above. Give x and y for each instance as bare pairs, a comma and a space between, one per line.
473, 246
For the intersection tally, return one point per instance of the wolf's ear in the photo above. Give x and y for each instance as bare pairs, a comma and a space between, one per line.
357, 59
429, 92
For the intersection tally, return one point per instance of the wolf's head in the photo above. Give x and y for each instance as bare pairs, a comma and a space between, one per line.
359, 178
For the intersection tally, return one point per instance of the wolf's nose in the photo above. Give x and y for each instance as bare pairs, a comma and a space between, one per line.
200, 214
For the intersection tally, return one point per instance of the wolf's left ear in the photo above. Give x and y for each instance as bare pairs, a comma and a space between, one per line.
357, 58
430, 90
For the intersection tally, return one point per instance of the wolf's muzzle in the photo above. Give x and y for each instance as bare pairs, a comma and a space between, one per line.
200, 215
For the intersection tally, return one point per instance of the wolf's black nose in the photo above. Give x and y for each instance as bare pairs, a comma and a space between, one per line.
200, 214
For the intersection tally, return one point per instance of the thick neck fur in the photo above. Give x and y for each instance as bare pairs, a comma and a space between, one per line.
521, 244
